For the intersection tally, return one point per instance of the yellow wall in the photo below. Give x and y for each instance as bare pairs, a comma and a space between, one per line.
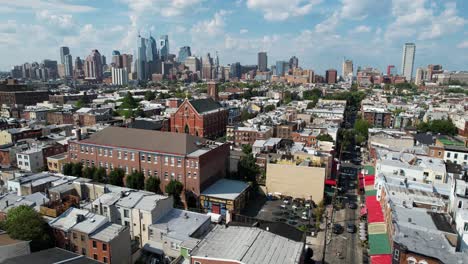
5, 138
296, 181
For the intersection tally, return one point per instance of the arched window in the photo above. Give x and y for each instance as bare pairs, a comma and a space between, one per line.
411, 260
422, 262
187, 129
460, 204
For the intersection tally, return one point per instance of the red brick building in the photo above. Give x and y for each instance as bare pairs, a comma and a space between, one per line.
378, 118
202, 118
193, 161
60, 118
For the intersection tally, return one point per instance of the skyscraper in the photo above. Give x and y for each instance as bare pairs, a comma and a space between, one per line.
407, 63
184, 53
93, 65
79, 71
141, 67
116, 59
347, 68
119, 76
207, 67
262, 61
152, 56
127, 60
281, 67
330, 76
63, 52
192, 63
236, 70
68, 65
164, 47
293, 62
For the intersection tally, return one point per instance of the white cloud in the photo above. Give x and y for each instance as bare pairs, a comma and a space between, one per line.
361, 29
162, 7
463, 45
356, 9
329, 24
180, 29
55, 5
212, 27
280, 10
243, 31
62, 21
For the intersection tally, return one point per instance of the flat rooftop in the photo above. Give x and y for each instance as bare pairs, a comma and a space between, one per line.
180, 224
226, 189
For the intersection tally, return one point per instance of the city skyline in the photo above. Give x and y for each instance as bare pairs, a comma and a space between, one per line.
319, 33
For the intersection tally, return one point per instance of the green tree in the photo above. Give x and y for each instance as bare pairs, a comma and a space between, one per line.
174, 188
68, 169
135, 180
150, 95
100, 175
88, 172
361, 127
269, 108
24, 223
311, 105
77, 169
139, 112
128, 102
80, 103
116, 177
247, 149
287, 97
445, 127
325, 137
152, 185
247, 168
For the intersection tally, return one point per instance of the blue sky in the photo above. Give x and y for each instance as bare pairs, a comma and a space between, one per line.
319, 32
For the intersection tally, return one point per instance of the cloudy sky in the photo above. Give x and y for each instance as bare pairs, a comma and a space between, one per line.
319, 32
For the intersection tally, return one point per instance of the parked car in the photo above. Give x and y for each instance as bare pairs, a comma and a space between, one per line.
337, 229
351, 228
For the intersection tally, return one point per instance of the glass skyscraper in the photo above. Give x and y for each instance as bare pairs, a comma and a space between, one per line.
184, 53
281, 67
407, 63
141, 65
164, 47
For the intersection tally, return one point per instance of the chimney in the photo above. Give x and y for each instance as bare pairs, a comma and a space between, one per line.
6, 203
78, 134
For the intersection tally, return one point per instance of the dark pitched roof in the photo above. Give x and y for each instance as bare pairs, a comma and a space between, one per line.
424, 138
205, 105
145, 124
167, 142
51, 255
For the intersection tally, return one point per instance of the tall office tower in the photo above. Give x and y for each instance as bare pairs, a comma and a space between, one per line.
262, 61
164, 47
52, 68
103, 60
116, 59
207, 67
184, 53
63, 52
347, 68
192, 63
152, 56
68, 65
141, 65
407, 63
26, 71
119, 76
79, 70
93, 65
391, 70
127, 60
331, 76
421, 75
281, 67
293, 62
236, 70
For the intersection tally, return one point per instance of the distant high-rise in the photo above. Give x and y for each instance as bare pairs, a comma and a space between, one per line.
347, 68
93, 65
236, 70
407, 64
192, 63
116, 59
127, 60
262, 61
421, 76
141, 66
63, 52
79, 70
184, 53
331, 76
119, 76
68, 65
281, 67
293, 62
164, 47
207, 67
152, 56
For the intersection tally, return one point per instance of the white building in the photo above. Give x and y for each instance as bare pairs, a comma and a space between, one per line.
407, 64
119, 76
30, 160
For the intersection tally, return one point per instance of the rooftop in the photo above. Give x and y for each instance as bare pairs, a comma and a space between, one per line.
205, 105
248, 245
226, 189
180, 224
148, 140
107, 232
51, 255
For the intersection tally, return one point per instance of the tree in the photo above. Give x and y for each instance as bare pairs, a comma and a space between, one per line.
150, 95
152, 185
24, 223
174, 188
136, 180
128, 102
139, 112
247, 168
88, 172
100, 175
68, 169
116, 177
77, 169
361, 127
80, 103
247, 149
269, 108
325, 137
445, 127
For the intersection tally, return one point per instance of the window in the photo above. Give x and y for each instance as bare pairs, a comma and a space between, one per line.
105, 209
144, 227
155, 173
411, 260
104, 260
172, 175
94, 244
75, 236
448, 154
466, 157
110, 153
104, 247
82, 237
125, 155
119, 154
179, 162
455, 156
155, 158
188, 175
179, 177
100, 151
396, 254
125, 213
132, 156
126, 169
166, 160
105, 153
148, 158
143, 171
438, 177
440, 153
194, 175
196, 164
143, 158
166, 176
465, 227
83, 251
126, 223
95, 256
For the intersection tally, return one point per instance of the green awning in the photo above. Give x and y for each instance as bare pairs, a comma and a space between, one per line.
370, 169
379, 244
371, 193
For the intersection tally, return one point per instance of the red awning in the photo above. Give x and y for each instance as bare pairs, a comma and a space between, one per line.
330, 182
369, 180
374, 210
381, 259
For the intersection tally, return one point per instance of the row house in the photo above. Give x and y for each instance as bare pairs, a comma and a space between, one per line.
248, 135
193, 161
